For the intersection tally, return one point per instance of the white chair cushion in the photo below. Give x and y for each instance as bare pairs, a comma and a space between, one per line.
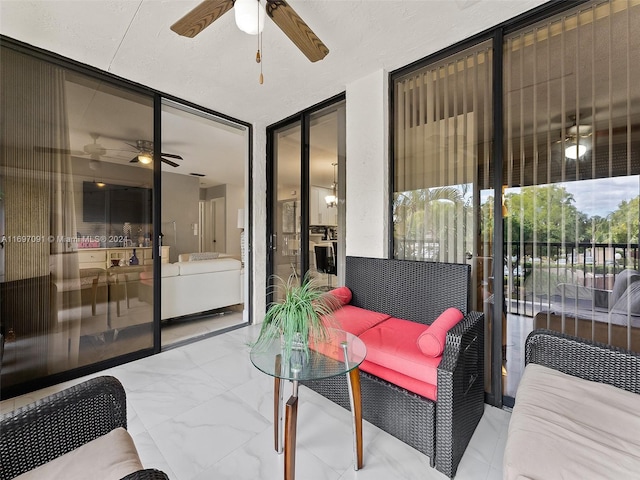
109, 457
566, 427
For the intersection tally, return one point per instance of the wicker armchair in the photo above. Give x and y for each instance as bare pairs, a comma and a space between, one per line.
585, 359
44, 430
420, 291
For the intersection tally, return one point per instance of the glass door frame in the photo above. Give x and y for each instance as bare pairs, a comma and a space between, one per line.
157, 97
303, 119
496, 34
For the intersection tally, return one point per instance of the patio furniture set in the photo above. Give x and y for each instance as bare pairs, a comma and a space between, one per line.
413, 368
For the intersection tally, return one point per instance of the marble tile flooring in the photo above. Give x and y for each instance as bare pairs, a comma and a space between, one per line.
179, 330
202, 412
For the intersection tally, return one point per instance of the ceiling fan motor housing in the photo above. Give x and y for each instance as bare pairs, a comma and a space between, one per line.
145, 146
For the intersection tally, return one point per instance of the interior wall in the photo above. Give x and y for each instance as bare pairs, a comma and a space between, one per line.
180, 197
367, 217
234, 202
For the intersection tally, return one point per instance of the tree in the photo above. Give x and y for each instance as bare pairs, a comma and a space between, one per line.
624, 223
545, 213
424, 216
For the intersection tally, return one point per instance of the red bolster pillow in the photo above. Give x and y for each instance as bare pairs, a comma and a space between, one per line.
431, 341
343, 294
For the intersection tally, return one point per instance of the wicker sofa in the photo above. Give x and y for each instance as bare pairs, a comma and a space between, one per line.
74, 434
576, 411
420, 292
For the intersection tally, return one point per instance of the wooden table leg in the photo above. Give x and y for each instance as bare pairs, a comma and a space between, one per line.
291, 420
355, 398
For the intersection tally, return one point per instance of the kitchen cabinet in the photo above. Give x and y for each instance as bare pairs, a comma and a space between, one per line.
101, 257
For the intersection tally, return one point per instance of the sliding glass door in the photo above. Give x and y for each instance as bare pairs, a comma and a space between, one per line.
204, 204
77, 221
443, 171
572, 178
306, 214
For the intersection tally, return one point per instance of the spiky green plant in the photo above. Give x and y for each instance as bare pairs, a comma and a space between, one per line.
305, 312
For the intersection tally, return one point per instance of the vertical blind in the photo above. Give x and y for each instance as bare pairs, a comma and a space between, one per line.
571, 177
442, 135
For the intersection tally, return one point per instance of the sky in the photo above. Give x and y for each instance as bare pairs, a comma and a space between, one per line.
594, 197
602, 196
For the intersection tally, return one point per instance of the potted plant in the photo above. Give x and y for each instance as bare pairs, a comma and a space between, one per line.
304, 313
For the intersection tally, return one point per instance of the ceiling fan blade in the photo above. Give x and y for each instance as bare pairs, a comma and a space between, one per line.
63, 151
171, 155
201, 17
297, 30
169, 162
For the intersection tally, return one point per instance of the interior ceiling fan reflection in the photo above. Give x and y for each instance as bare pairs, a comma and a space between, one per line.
94, 150
145, 154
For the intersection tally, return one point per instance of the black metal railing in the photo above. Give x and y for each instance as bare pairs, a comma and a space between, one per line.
532, 271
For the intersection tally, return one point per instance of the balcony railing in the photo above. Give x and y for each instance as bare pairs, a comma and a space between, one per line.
532, 271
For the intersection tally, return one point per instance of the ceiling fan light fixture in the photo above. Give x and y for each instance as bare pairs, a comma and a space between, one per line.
331, 200
574, 151
145, 158
249, 17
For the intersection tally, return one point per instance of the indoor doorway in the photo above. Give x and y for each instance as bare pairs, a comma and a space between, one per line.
203, 276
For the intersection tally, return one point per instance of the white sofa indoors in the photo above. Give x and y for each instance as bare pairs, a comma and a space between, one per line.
196, 286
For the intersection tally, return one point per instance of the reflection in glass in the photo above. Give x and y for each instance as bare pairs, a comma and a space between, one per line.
73, 206
287, 215
571, 178
442, 192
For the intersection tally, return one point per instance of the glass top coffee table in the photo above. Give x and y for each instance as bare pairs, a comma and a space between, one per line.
341, 354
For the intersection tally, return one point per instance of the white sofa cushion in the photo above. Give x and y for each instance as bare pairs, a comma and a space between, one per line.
199, 256
169, 270
208, 266
566, 427
111, 457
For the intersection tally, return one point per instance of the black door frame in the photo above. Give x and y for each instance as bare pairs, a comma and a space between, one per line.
303, 119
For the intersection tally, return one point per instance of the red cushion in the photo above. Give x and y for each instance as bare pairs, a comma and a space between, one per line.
431, 342
416, 386
392, 345
354, 320
343, 294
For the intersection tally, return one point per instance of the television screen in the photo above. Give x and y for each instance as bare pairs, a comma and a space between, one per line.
115, 203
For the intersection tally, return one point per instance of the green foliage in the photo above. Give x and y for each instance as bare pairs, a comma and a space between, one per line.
302, 314
429, 214
543, 214
624, 223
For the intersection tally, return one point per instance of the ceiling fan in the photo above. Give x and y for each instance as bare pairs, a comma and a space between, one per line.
577, 139
279, 11
94, 150
145, 154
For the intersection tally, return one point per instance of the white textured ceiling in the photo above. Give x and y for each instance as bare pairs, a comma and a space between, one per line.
217, 69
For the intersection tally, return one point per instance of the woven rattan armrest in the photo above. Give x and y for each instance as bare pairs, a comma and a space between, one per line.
584, 359
460, 402
148, 474
37, 433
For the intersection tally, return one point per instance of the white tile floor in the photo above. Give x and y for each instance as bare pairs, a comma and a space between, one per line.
202, 411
